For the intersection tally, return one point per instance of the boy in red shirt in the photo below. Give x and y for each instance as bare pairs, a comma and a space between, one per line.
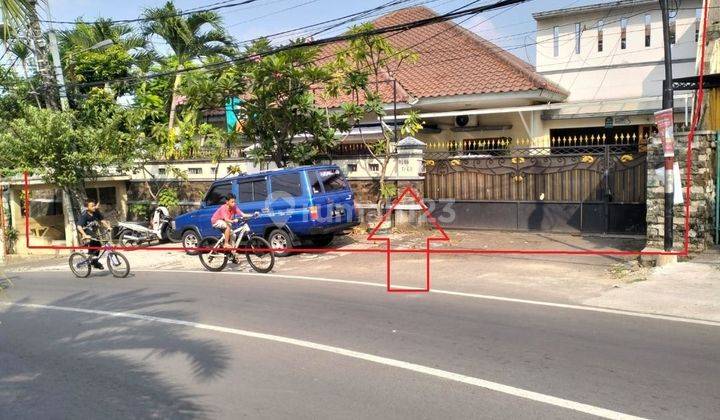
223, 217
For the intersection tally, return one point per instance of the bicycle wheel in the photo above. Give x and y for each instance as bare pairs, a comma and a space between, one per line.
215, 259
260, 254
80, 264
118, 265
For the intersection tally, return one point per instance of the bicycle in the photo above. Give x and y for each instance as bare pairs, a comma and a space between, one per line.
117, 263
258, 252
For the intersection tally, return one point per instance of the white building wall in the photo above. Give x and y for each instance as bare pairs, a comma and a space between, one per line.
635, 71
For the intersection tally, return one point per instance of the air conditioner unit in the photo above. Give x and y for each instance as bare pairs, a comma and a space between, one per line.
466, 121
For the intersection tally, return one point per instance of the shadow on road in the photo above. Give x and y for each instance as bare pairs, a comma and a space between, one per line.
74, 365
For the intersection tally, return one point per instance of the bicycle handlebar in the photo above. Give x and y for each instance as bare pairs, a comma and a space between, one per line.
254, 216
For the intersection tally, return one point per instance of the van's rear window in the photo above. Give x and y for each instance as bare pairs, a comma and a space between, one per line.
331, 180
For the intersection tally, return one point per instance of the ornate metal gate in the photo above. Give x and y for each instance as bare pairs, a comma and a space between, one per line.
592, 188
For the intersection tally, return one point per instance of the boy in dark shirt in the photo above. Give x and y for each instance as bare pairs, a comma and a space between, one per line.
89, 215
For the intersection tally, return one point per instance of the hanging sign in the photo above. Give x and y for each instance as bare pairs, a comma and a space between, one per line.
664, 121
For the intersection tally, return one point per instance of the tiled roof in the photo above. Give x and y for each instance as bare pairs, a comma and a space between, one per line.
451, 61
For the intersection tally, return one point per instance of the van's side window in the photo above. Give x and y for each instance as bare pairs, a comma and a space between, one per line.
286, 184
217, 194
315, 185
245, 192
260, 190
332, 180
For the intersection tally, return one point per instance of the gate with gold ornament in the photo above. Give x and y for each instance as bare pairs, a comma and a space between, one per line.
593, 186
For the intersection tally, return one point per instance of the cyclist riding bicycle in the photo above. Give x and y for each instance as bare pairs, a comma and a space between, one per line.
89, 218
223, 217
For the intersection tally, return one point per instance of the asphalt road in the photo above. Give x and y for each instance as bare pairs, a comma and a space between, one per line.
229, 346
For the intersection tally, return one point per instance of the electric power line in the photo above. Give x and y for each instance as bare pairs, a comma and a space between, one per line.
397, 28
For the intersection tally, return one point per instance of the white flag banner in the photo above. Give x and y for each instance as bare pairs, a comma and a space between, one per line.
677, 182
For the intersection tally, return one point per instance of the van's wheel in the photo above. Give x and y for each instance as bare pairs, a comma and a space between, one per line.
190, 239
281, 241
321, 241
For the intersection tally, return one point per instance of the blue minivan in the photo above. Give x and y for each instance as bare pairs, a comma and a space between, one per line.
312, 203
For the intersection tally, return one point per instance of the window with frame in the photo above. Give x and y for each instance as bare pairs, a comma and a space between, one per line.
260, 190
250, 191
286, 184
648, 30
623, 33
245, 192
102, 195
161, 171
600, 26
331, 180
556, 41
195, 171
578, 32
44, 202
374, 166
217, 194
698, 17
352, 167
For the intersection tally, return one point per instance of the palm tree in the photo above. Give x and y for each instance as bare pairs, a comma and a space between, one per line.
84, 36
191, 36
20, 49
22, 14
15, 11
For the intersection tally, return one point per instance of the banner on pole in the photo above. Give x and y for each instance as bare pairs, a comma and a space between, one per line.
665, 123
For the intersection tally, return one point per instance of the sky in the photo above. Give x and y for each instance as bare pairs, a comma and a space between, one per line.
511, 28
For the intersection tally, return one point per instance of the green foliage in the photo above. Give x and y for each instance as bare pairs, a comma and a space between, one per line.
66, 149
168, 197
97, 66
139, 210
84, 35
280, 106
11, 234
188, 35
11, 237
15, 93
388, 190
358, 71
412, 124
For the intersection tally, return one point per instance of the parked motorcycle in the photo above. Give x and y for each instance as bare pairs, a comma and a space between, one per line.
135, 234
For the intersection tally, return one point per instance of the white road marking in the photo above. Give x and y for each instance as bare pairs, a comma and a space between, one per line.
468, 295
439, 373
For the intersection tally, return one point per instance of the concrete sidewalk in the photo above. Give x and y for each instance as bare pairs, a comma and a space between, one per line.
689, 289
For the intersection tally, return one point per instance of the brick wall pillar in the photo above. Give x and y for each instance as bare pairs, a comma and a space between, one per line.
702, 192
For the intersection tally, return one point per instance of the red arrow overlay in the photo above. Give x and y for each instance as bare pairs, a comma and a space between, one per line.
433, 222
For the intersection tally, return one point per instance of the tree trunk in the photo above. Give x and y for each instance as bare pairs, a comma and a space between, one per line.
73, 200
41, 57
173, 104
26, 73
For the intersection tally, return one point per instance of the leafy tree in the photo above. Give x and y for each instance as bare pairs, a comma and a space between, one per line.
192, 36
280, 107
83, 63
99, 66
69, 148
360, 68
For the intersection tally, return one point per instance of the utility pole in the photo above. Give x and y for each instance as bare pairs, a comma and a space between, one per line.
64, 104
668, 135
41, 57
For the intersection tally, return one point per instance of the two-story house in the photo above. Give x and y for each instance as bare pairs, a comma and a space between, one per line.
610, 58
